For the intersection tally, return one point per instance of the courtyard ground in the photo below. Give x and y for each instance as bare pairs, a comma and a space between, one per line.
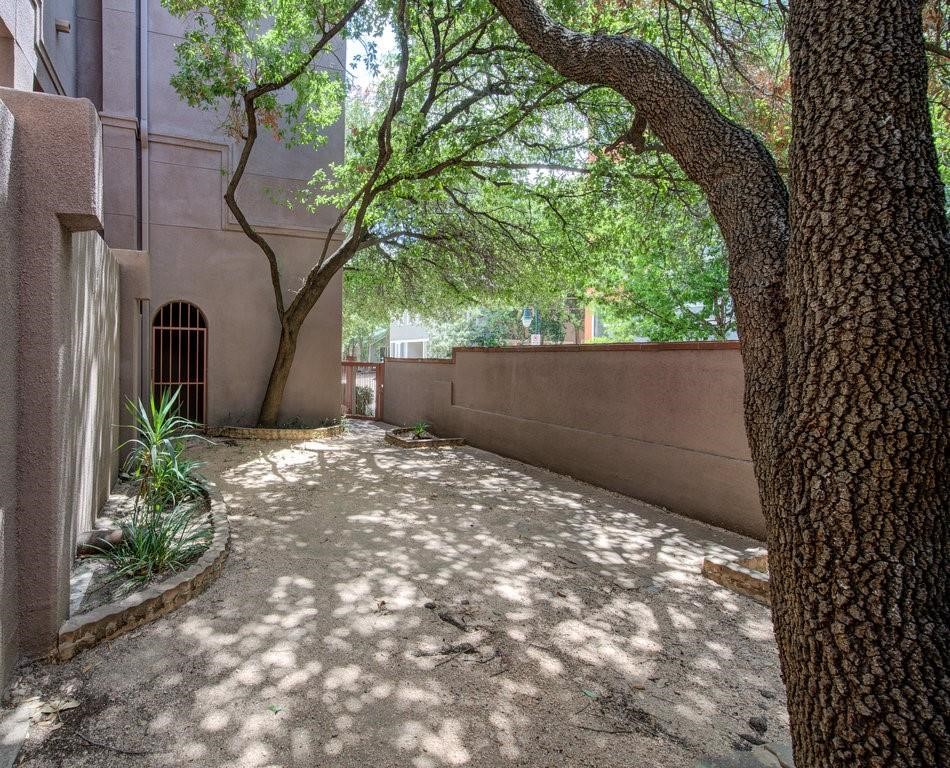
385, 607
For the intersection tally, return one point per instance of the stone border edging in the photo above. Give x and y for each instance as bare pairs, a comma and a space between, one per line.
276, 433
114, 619
746, 575
393, 438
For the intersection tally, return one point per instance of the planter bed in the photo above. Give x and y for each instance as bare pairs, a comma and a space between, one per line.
748, 576
275, 433
403, 438
113, 619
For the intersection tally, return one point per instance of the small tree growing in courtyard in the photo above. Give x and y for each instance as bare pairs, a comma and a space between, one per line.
460, 102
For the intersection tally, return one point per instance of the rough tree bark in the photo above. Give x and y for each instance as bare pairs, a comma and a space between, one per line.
842, 296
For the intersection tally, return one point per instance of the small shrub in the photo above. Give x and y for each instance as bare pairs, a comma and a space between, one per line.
166, 530
362, 400
165, 477
157, 540
419, 429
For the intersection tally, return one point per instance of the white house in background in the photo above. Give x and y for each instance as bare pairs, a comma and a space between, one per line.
408, 337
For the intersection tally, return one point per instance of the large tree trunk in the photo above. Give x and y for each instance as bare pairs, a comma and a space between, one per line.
843, 320
858, 507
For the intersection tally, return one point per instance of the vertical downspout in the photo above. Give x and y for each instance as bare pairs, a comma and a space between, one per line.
142, 83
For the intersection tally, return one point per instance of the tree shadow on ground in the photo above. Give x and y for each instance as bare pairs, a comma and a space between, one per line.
384, 607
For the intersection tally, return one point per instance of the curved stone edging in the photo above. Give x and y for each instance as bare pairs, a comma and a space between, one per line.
393, 438
114, 619
263, 433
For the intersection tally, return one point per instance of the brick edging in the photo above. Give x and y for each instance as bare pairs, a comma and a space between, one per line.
265, 433
114, 619
393, 438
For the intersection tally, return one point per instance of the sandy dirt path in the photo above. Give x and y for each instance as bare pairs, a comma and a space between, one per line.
384, 607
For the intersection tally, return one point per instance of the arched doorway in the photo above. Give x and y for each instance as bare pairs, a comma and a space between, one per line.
180, 356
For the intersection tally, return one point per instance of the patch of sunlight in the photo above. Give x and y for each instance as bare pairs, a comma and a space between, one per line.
443, 745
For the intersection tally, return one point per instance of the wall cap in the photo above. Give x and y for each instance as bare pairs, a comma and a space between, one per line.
644, 346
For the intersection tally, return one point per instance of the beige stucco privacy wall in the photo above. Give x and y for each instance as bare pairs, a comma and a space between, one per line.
9, 333
59, 345
661, 422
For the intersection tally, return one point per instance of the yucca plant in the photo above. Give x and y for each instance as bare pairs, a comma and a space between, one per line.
165, 477
155, 541
166, 529
419, 429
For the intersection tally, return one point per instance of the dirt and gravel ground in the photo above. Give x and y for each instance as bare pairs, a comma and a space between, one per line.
384, 607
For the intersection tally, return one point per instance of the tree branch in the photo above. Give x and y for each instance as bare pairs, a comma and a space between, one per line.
738, 175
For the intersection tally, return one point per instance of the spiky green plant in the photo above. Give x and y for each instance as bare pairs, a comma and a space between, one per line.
419, 429
158, 540
156, 461
166, 529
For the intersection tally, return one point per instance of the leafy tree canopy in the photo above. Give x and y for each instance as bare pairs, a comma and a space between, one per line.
475, 176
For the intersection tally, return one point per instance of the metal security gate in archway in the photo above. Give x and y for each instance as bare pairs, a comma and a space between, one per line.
180, 357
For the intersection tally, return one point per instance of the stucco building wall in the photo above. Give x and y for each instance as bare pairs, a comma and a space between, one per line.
165, 176
32, 51
661, 422
59, 336
9, 332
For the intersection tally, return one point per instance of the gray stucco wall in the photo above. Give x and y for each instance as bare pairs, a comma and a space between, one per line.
661, 422
91, 390
60, 357
34, 49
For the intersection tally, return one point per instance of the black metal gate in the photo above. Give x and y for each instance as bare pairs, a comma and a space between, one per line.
180, 357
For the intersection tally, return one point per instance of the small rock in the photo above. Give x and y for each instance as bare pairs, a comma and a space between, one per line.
752, 739
741, 746
627, 582
767, 693
759, 724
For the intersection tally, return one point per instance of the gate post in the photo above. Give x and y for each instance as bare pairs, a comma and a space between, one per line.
380, 377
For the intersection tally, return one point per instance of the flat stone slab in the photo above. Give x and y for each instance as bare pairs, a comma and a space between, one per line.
14, 728
86, 630
400, 437
771, 755
277, 433
747, 575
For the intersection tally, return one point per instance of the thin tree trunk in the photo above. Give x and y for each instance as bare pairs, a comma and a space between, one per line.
843, 319
858, 508
280, 373
292, 321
